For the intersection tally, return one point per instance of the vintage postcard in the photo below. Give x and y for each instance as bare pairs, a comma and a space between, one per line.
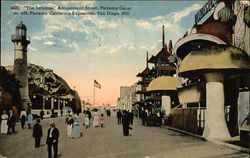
124, 79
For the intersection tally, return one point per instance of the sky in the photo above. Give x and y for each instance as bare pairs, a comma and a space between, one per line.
110, 49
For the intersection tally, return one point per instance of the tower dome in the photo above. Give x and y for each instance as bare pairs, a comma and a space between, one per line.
21, 26
21, 34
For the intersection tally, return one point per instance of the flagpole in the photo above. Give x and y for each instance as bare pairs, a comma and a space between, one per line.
94, 94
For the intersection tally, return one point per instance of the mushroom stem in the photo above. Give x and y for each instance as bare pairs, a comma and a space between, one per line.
215, 124
166, 104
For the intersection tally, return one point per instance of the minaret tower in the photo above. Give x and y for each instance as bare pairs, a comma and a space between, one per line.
20, 63
163, 37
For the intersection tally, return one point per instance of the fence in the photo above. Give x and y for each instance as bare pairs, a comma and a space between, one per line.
189, 119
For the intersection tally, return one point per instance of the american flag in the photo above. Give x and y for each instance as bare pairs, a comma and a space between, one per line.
97, 85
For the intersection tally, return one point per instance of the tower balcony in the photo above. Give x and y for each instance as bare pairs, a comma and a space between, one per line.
18, 38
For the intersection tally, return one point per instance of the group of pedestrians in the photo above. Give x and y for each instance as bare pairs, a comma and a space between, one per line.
51, 140
95, 119
73, 126
26, 117
126, 119
8, 122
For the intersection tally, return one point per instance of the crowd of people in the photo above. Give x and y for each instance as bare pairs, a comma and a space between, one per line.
94, 118
8, 121
90, 118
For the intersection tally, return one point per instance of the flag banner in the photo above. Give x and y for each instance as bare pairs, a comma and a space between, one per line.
96, 84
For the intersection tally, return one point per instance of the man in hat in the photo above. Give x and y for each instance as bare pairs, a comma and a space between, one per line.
52, 139
11, 122
37, 133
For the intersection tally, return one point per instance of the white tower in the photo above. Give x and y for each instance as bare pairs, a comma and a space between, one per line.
20, 63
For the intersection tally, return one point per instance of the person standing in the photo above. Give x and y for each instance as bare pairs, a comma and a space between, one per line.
52, 140
108, 113
102, 120
86, 121
11, 122
119, 116
89, 114
144, 117
69, 122
4, 125
96, 119
30, 119
125, 123
37, 133
41, 114
76, 128
131, 117
23, 116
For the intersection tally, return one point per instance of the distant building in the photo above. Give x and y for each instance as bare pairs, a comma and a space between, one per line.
127, 98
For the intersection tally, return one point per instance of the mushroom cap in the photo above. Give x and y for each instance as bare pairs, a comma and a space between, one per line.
164, 83
188, 43
217, 58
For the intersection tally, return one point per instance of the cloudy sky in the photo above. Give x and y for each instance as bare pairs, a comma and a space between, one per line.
110, 49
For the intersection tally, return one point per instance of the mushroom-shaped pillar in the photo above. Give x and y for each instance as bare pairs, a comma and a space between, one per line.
215, 62
167, 84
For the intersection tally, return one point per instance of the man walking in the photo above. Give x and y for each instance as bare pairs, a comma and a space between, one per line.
144, 117
131, 117
37, 133
125, 123
41, 114
52, 140
119, 116
11, 122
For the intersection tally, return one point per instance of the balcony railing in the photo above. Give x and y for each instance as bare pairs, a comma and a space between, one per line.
15, 37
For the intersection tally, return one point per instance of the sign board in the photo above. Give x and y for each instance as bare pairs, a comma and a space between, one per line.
205, 9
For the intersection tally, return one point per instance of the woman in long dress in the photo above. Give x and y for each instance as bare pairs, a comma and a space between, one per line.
4, 126
86, 121
69, 122
96, 121
30, 119
76, 128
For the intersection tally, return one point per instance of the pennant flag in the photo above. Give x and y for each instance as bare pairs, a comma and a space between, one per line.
97, 85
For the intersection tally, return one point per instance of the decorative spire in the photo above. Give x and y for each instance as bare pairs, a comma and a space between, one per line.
170, 46
163, 37
147, 60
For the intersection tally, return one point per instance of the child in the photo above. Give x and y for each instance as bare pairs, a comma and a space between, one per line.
102, 120
86, 123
